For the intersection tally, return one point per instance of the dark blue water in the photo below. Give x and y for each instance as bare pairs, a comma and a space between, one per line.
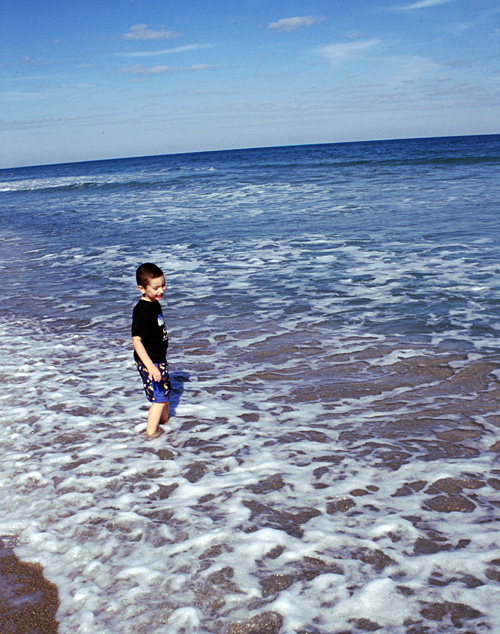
404, 201
369, 183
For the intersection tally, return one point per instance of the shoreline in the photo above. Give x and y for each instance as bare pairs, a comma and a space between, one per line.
28, 601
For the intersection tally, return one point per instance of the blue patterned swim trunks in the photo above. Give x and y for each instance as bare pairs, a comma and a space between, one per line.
156, 391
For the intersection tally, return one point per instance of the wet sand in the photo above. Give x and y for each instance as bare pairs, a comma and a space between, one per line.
28, 602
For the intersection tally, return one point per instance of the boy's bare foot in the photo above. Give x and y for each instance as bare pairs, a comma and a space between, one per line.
156, 434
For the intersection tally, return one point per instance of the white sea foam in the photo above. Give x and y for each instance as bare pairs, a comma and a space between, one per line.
89, 515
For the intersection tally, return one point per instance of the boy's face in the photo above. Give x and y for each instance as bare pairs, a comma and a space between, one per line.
154, 289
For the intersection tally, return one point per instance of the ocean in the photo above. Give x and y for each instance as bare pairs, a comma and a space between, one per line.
332, 462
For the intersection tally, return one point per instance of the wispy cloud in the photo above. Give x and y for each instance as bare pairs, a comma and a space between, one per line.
143, 32
423, 4
178, 49
337, 54
145, 71
27, 60
290, 24
457, 62
411, 68
458, 28
39, 123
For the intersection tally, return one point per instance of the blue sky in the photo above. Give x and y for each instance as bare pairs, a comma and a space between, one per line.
92, 79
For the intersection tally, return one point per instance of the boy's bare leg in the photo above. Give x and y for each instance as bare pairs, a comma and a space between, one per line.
158, 413
165, 414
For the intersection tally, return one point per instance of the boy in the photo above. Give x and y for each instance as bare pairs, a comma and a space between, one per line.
150, 342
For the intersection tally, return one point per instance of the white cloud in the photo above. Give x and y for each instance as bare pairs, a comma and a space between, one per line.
423, 4
178, 49
456, 62
336, 54
140, 69
459, 28
196, 67
143, 32
289, 24
412, 68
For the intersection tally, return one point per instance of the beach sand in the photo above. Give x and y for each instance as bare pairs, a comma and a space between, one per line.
28, 602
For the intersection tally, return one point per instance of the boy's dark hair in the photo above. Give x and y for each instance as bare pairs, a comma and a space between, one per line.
147, 272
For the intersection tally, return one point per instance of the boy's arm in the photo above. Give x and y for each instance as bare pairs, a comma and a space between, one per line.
154, 373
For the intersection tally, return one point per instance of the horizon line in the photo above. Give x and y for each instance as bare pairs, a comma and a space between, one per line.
242, 149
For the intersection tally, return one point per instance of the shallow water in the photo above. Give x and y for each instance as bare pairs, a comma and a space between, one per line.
332, 461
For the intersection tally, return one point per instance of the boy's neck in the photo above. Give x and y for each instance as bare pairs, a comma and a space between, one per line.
151, 301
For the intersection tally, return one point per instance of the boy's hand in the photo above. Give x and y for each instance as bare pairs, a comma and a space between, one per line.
154, 373
139, 348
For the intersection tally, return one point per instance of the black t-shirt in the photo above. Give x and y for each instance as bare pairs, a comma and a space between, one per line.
149, 325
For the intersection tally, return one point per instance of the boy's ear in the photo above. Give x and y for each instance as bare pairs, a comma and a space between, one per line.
142, 290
